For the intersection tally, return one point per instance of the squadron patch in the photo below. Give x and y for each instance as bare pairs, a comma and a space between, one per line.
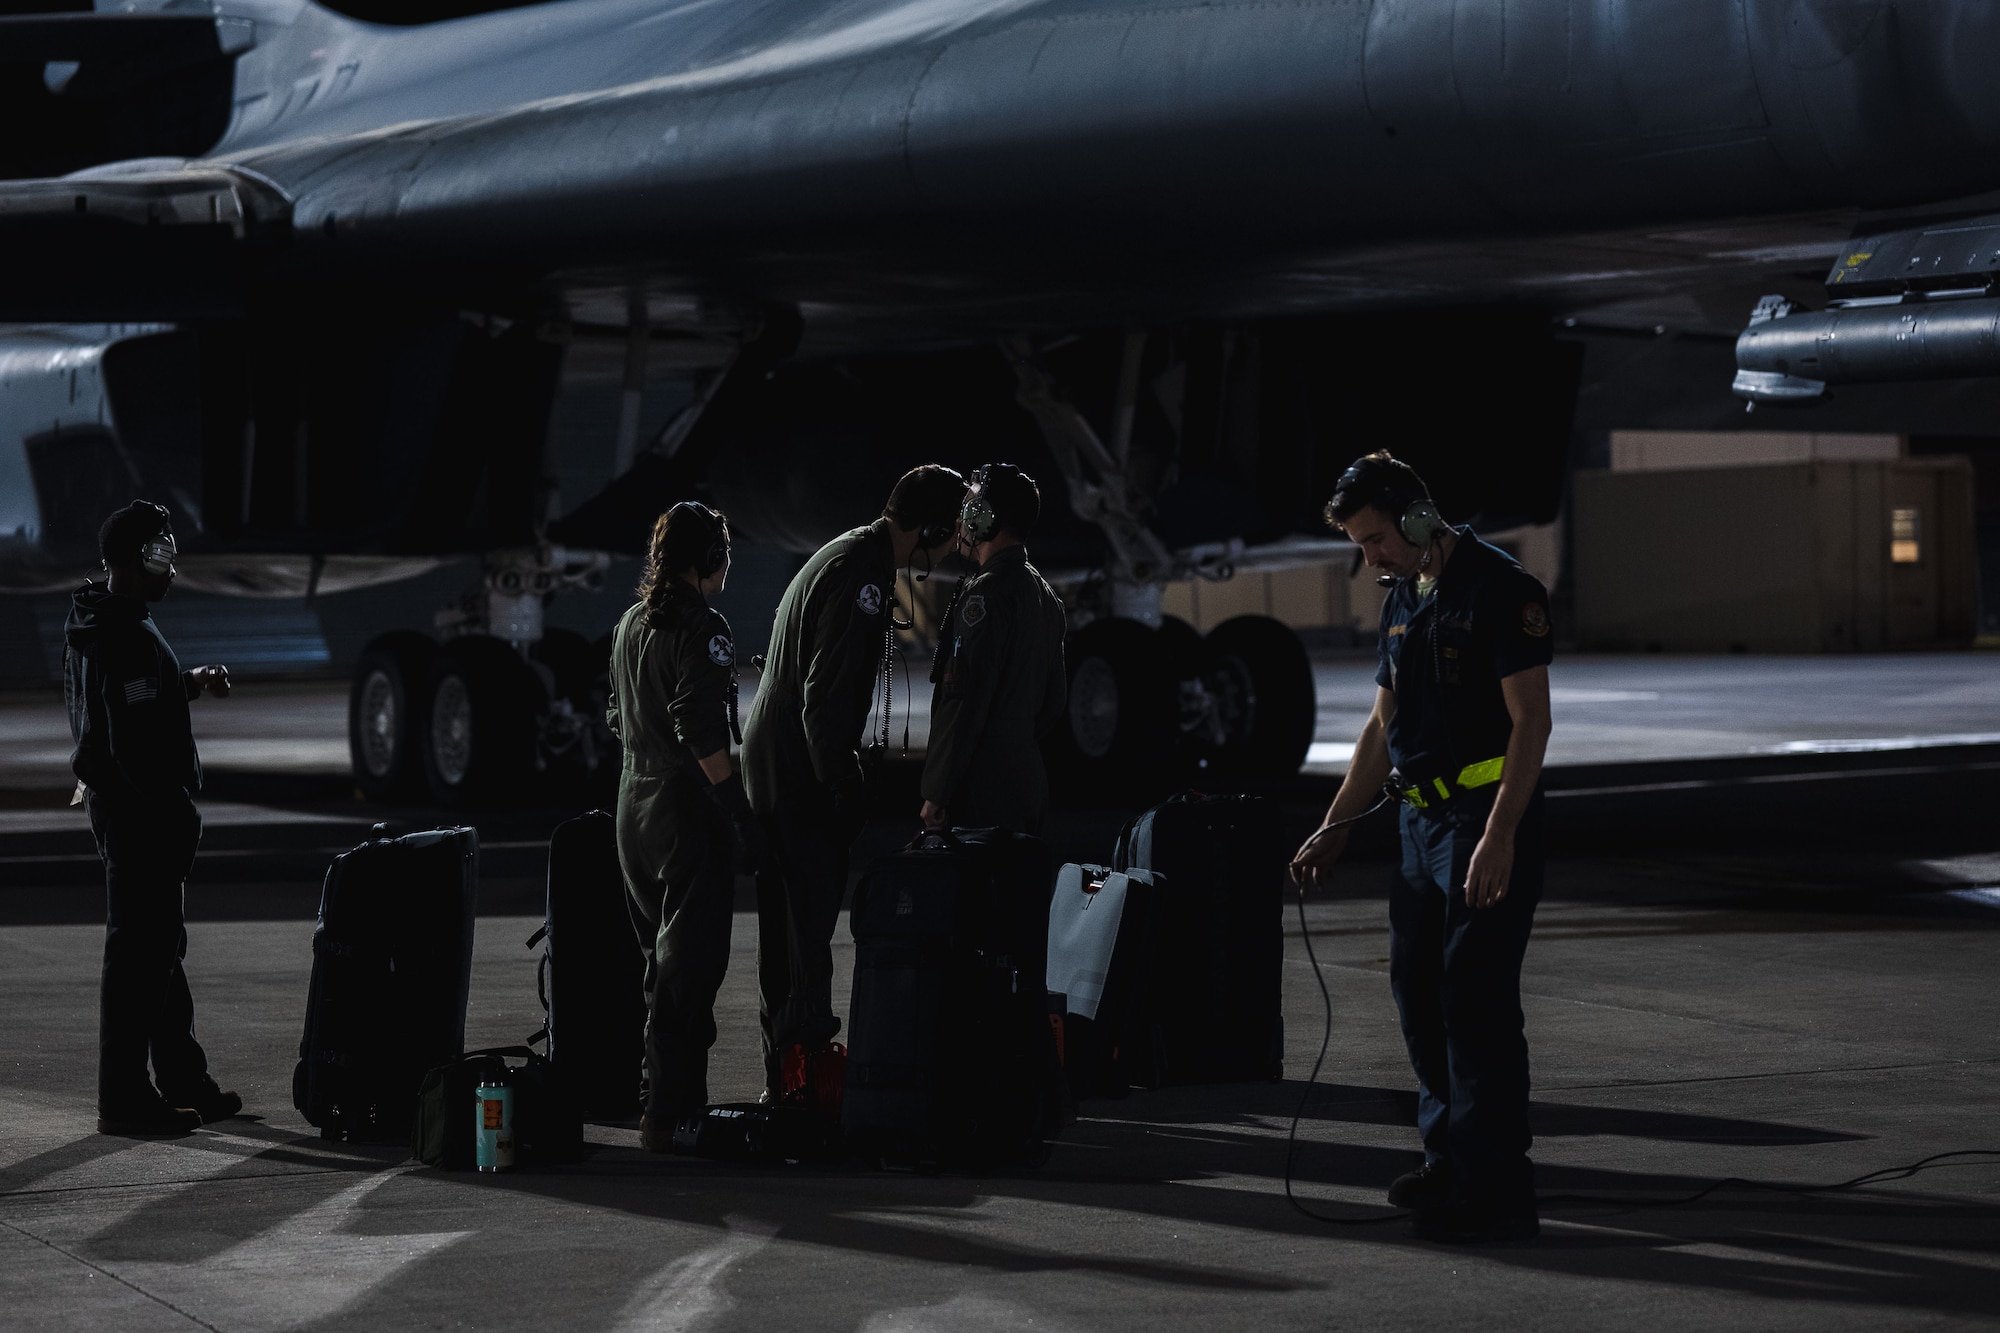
974, 610
869, 600
1534, 620
721, 651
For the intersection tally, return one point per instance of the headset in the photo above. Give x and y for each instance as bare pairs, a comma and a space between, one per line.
717, 553
157, 552
980, 520
1419, 522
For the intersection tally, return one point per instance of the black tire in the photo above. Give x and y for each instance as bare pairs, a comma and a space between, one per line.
603, 785
573, 662
388, 711
1117, 736
1190, 666
479, 748
1264, 687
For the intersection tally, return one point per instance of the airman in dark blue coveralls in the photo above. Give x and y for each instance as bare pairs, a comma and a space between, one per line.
1460, 726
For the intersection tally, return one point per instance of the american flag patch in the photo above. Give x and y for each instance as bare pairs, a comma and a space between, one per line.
141, 691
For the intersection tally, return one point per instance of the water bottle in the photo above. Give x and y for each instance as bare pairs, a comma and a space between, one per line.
493, 1109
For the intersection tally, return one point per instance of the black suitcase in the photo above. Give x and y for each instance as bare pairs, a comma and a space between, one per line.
592, 973
951, 1058
1205, 1002
392, 964
1099, 919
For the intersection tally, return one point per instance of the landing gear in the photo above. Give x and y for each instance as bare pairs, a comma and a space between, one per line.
1153, 704
388, 711
1155, 709
1261, 682
504, 711
479, 748
1120, 705
575, 751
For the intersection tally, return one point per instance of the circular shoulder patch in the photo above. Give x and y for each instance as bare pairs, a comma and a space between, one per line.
721, 651
1534, 620
974, 610
869, 599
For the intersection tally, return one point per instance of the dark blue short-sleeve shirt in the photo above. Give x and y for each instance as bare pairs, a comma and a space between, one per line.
1445, 655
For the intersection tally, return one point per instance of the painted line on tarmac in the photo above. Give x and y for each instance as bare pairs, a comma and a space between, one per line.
1769, 779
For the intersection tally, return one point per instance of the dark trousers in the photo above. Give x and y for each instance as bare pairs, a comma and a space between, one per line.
1456, 974
144, 1006
676, 850
798, 906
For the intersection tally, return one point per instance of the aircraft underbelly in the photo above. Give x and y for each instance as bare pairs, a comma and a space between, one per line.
936, 152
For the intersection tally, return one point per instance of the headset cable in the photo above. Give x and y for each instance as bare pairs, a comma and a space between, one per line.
1627, 1202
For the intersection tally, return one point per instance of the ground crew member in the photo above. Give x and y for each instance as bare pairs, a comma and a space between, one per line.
683, 819
1460, 724
801, 765
998, 684
137, 773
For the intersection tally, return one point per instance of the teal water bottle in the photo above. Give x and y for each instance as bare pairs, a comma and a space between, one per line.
493, 1110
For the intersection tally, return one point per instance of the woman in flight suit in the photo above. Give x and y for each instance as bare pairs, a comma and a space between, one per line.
673, 706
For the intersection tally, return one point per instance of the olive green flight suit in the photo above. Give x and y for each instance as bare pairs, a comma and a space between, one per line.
799, 748
999, 686
671, 688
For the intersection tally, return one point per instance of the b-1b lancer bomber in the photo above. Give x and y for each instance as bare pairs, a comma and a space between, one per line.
310, 277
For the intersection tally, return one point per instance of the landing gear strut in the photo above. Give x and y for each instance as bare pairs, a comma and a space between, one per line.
1153, 704
501, 711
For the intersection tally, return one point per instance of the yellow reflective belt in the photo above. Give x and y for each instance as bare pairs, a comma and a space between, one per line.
1482, 774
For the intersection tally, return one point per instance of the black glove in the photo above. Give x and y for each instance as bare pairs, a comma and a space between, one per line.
850, 810
753, 850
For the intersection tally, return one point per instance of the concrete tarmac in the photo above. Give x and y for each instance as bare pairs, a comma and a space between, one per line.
1682, 1031
1750, 962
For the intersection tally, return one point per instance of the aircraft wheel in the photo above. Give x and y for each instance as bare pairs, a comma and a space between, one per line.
610, 753
568, 733
387, 714
1264, 694
1118, 734
570, 658
1190, 666
486, 702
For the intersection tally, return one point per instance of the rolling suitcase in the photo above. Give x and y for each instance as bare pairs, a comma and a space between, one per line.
1199, 998
592, 973
1098, 923
392, 963
951, 1059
